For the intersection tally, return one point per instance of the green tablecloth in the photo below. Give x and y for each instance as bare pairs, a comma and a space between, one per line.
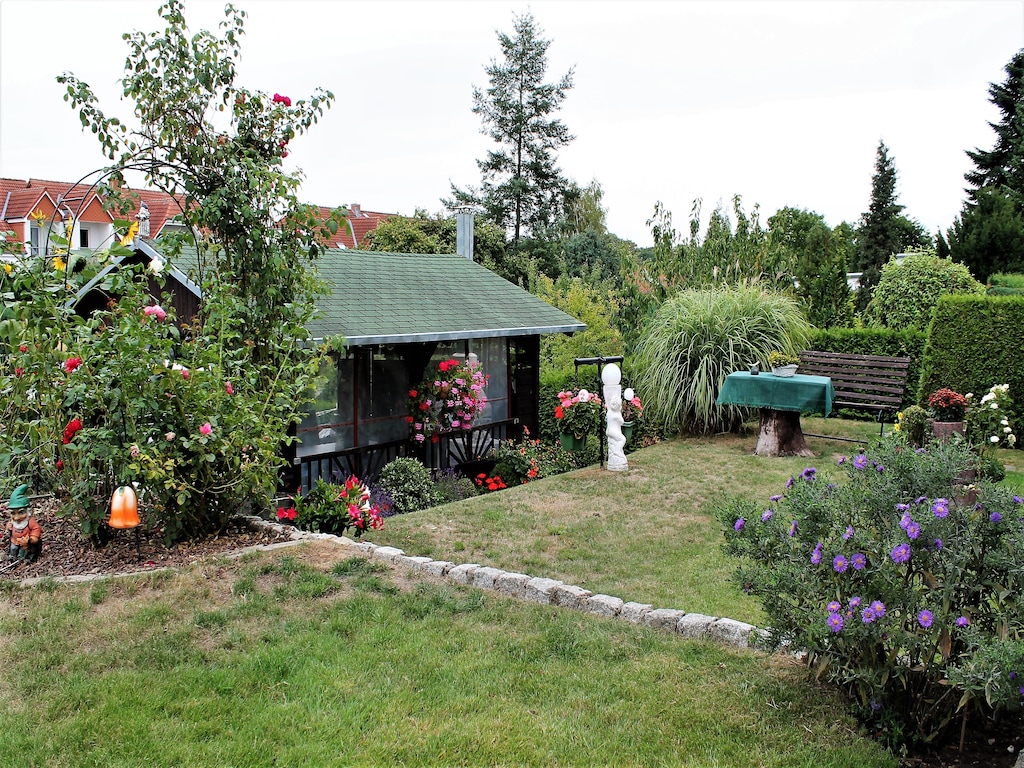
812, 394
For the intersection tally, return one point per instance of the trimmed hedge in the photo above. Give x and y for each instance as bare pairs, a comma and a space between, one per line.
973, 343
887, 342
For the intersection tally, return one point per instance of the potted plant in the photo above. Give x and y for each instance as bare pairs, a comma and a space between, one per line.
783, 364
632, 409
448, 399
947, 409
578, 415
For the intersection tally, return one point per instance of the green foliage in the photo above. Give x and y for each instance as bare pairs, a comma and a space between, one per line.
879, 578
909, 288
409, 485
988, 236
699, 337
1002, 167
436, 234
972, 345
586, 302
886, 342
913, 424
201, 436
519, 462
821, 280
451, 486
521, 188
883, 229
724, 256
334, 509
1010, 283
990, 425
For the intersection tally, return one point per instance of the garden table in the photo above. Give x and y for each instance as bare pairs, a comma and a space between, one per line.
781, 400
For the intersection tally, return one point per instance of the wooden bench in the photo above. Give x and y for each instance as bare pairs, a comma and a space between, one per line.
864, 382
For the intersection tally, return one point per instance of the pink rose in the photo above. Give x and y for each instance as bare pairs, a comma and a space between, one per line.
228, 388
184, 373
206, 429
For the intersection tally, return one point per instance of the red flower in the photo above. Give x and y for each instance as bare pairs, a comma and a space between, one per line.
559, 413
71, 363
60, 465
413, 393
71, 429
23, 348
279, 99
408, 419
18, 372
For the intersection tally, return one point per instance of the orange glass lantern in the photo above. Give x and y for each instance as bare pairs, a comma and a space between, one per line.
124, 508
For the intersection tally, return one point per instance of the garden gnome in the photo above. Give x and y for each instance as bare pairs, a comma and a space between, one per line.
26, 535
612, 376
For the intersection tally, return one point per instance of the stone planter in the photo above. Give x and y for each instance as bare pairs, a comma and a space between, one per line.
943, 430
785, 371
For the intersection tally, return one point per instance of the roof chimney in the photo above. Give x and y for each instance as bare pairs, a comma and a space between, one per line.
464, 232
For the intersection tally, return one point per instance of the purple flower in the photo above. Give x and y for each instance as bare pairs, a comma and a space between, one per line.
766, 515
1022, 690
792, 529
776, 497
879, 608
1018, 500
789, 483
835, 622
995, 517
924, 618
962, 621
868, 615
861, 461
854, 602
858, 561
839, 564
848, 534
940, 507
938, 543
906, 520
816, 555
901, 553
902, 507
739, 524
913, 529
920, 499
880, 469
875, 705
919, 451
808, 474
833, 607
842, 460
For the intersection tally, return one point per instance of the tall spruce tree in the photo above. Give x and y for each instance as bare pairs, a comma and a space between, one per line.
1003, 165
521, 187
883, 229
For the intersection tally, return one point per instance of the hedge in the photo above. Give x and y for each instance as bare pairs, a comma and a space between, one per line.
973, 343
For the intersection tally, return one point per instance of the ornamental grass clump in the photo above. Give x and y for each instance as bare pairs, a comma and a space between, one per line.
894, 581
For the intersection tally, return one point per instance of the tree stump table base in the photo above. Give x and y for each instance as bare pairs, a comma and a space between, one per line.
779, 434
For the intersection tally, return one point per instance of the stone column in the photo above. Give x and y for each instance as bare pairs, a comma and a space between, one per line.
611, 376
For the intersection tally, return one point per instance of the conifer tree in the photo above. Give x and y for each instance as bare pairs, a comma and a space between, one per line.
522, 187
1003, 165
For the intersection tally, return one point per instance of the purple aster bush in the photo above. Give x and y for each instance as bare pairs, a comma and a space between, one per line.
913, 610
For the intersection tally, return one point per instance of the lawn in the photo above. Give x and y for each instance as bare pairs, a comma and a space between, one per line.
310, 656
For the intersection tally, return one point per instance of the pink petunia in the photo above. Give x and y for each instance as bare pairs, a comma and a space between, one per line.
206, 429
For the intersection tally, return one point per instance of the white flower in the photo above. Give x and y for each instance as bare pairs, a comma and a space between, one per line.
1007, 430
986, 398
584, 396
1004, 422
994, 406
1011, 440
994, 439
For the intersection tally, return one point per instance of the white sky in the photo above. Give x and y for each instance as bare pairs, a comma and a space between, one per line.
781, 102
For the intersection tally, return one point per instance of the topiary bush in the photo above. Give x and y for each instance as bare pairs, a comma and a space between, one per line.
697, 338
891, 581
909, 288
408, 483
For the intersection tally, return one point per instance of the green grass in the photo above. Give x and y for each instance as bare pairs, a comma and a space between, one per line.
311, 658
420, 674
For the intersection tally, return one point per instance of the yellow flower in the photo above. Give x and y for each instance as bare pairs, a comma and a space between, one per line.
59, 264
8, 268
38, 215
129, 236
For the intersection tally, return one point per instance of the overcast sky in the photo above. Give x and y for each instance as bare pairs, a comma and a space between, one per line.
783, 103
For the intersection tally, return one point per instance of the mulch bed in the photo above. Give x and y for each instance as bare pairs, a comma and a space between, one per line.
66, 553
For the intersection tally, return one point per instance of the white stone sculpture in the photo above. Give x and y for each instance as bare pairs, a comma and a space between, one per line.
611, 376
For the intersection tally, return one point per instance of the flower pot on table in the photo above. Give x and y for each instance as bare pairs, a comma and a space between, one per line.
785, 371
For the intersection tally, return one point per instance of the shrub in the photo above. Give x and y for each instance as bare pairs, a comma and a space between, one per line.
334, 509
1006, 284
519, 462
697, 338
891, 580
409, 485
909, 288
912, 423
451, 486
989, 426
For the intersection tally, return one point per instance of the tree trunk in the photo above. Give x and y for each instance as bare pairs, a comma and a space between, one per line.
780, 434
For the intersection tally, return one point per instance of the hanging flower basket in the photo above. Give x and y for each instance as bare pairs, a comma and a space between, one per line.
449, 399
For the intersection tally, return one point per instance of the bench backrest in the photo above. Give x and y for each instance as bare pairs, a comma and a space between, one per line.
868, 382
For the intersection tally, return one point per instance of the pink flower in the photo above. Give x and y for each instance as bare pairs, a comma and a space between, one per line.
71, 363
155, 310
279, 99
228, 388
169, 436
206, 429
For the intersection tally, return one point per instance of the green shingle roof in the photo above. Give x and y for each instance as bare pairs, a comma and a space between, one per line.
379, 298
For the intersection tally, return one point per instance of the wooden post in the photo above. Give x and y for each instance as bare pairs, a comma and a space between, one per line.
780, 434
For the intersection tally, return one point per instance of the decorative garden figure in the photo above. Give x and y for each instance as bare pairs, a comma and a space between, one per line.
26, 535
611, 376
